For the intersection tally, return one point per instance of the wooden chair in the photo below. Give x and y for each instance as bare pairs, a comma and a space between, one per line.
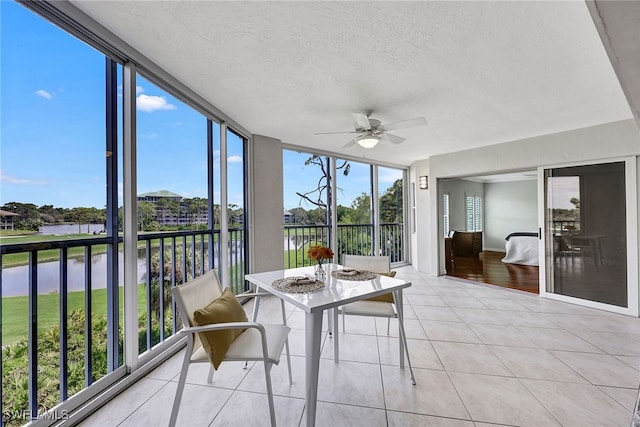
257, 343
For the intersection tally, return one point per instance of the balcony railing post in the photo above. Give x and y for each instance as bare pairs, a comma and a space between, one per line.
88, 329
63, 325
33, 332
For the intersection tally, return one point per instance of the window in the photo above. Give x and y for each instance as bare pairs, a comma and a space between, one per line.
474, 212
445, 214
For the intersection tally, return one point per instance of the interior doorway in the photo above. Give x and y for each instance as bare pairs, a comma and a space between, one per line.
490, 229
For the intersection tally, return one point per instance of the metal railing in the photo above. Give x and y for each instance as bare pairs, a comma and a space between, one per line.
354, 239
165, 259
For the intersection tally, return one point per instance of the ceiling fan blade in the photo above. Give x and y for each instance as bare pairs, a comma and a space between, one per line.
405, 124
350, 143
394, 139
362, 121
334, 133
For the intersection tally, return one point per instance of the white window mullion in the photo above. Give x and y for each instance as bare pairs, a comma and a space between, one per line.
223, 272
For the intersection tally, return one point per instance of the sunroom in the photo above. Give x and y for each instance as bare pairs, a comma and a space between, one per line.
172, 139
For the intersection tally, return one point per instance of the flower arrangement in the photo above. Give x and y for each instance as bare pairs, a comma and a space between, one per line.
319, 253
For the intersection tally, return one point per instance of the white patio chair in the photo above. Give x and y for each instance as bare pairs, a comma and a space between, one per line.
381, 306
257, 343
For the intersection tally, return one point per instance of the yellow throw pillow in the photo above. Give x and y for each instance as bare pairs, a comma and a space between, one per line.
384, 297
225, 308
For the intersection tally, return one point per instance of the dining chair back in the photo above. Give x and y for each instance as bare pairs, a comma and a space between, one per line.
377, 307
258, 342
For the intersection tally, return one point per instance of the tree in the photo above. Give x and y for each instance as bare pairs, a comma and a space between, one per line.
360, 212
391, 203
323, 187
29, 218
146, 215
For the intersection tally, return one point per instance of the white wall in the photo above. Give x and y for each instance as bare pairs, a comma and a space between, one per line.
420, 245
610, 140
508, 207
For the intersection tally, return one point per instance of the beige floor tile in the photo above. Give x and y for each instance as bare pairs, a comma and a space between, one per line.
465, 357
353, 347
579, 404
627, 397
536, 364
424, 312
403, 419
421, 353
255, 380
333, 414
500, 400
478, 316
601, 369
198, 406
449, 331
502, 335
114, 412
558, 339
350, 383
433, 393
252, 409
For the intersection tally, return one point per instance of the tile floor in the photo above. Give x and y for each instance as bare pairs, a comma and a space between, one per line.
482, 356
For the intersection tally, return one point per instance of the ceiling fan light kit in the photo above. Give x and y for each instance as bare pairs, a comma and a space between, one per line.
373, 131
368, 141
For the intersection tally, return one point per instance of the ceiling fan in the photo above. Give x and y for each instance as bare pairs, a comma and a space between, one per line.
371, 131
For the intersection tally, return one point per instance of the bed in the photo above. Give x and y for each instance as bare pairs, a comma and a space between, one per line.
521, 248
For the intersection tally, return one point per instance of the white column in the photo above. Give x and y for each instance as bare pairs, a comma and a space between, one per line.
130, 207
223, 274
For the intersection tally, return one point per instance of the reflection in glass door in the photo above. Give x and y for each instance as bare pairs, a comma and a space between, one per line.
585, 217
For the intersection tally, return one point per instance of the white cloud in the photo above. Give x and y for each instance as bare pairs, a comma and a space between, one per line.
152, 135
43, 94
139, 90
149, 103
19, 181
234, 159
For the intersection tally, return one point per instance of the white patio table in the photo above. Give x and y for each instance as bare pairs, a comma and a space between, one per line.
335, 293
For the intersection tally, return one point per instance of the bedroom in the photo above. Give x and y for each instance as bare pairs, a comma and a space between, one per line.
491, 208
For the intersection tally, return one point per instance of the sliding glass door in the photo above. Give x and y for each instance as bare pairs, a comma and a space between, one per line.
586, 233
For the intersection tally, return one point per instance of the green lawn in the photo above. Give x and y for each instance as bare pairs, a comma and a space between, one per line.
15, 310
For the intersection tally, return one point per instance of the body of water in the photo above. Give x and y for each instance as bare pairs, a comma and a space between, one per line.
15, 280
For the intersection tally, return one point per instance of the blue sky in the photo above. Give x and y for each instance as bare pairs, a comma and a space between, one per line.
52, 148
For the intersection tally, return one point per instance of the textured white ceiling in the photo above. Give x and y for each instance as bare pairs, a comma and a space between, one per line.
481, 73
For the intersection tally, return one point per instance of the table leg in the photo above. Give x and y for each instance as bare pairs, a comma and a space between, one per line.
256, 306
333, 314
313, 335
397, 295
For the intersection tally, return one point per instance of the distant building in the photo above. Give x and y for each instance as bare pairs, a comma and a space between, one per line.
289, 217
6, 219
179, 215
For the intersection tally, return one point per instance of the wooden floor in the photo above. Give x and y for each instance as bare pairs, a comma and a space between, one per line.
489, 268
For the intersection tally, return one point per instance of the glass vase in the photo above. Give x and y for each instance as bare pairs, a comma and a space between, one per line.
319, 273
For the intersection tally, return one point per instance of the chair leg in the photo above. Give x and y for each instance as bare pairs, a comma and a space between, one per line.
388, 324
272, 409
343, 320
403, 336
284, 322
181, 382
286, 343
211, 372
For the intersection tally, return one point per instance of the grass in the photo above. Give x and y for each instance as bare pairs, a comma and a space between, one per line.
15, 310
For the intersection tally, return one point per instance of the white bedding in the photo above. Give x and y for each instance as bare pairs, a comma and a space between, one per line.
522, 250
